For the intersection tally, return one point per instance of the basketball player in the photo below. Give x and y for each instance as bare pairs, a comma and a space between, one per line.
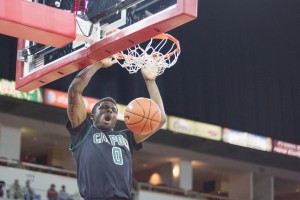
101, 155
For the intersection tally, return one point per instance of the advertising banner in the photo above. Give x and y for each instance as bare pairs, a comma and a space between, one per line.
286, 148
194, 128
7, 88
60, 99
248, 140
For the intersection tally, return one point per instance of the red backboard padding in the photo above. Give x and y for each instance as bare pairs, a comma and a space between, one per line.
183, 12
37, 22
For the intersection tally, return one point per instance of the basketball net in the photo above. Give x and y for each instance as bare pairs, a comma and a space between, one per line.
157, 54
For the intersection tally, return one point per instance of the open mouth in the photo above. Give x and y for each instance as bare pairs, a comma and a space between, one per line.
107, 118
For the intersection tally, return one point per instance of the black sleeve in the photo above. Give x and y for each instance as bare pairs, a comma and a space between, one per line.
132, 143
78, 133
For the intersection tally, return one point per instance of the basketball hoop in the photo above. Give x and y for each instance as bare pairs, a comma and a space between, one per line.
157, 54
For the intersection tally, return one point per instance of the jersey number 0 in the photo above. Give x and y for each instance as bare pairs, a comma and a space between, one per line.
117, 155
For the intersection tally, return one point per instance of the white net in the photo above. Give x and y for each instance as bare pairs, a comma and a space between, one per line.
157, 54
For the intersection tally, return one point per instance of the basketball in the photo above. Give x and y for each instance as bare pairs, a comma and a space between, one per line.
142, 116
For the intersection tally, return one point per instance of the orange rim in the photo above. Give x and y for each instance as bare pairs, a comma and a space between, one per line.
162, 36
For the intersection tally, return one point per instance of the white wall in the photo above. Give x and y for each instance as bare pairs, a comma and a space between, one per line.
10, 142
39, 181
240, 186
263, 187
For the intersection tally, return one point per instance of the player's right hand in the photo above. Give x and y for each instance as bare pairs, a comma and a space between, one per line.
107, 62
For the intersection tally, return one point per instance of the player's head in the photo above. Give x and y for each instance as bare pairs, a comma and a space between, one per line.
104, 114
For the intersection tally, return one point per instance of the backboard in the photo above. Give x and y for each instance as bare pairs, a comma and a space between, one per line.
101, 31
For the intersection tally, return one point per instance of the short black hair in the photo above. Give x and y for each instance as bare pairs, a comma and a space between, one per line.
102, 100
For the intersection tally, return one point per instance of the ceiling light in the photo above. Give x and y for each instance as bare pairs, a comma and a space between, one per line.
176, 171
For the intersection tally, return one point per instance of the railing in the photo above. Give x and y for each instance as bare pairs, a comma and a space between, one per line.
179, 192
196, 195
163, 189
35, 167
140, 186
48, 169
75, 196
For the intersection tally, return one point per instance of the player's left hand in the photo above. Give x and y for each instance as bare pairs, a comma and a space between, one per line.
148, 74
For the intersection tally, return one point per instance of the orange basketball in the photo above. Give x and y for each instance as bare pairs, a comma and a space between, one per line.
142, 116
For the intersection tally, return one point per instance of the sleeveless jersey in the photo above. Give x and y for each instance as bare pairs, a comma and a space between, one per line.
103, 161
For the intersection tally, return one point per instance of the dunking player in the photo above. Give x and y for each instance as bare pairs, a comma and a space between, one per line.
102, 156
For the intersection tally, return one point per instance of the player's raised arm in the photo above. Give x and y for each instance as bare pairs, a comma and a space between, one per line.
76, 108
154, 93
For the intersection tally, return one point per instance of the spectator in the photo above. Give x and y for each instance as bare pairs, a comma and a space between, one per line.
28, 191
63, 195
2, 184
52, 194
15, 190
